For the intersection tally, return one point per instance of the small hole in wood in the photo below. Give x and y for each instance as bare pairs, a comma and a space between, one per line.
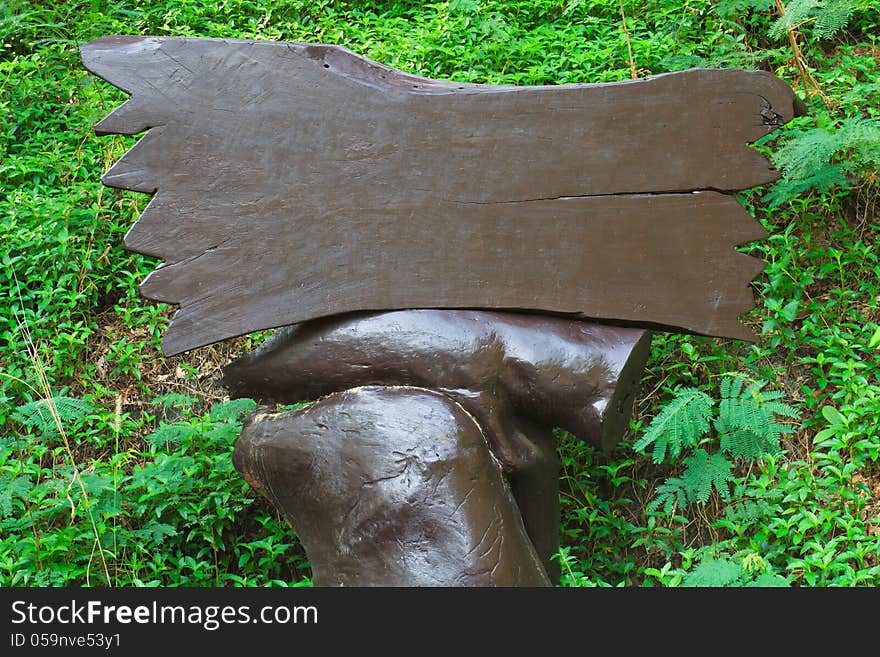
326, 65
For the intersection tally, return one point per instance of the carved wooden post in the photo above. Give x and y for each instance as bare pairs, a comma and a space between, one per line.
516, 375
301, 184
391, 486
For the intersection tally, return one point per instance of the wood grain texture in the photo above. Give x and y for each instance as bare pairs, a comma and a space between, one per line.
294, 181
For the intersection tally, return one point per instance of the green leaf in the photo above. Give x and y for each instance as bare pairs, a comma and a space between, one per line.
19, 487
171, 434
769, 580
875, 339
680, 424
824, 435
789, 311
833, 416
714, 572
232, 409
175, 399
45, 415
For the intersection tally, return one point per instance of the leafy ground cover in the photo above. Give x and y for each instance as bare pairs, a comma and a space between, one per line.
745, 464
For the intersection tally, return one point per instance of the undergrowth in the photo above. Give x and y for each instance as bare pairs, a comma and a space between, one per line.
763, 468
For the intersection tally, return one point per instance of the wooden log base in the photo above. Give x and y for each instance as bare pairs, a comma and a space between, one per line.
501, 367
517, 376
390, 487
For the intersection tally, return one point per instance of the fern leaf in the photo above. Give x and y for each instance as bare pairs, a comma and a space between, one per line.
671, 494
728, 8
821, 158
747, 511
702, 472
732, 385
100, 492
232, 409
779, 408
769, 580
743, 444
12, 488
714, 572
825, 18
39, 414
173, 399
832, 18
721, 472
680, 424
171, 434
697, 476
771, 395
747, 421
153, 533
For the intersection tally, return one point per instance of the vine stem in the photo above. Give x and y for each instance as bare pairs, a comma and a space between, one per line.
800, 62
632, 64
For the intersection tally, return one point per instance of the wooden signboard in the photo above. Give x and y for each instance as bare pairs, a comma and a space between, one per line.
296, 181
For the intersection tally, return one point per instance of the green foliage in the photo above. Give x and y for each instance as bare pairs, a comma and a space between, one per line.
824, 18
173, 511
804, 504
702, 471
723, 572
825, 158
231, 409
44, 415
679, 425
747, 421
747, 428
13, 488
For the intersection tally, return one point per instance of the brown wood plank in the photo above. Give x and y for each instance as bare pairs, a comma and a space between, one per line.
296, 181
667, 259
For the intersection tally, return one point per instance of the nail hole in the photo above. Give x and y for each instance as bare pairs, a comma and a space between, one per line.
326, 65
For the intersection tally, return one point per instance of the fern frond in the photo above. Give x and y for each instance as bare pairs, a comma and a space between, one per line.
738, 7
232, 409
153, 533
769, 580
12, 488
681, 423
171, 434
671, 494
713, 572
38, 414
748, 511
780, 408
702, 472
825, 18
825, 157
720, 470
172, 399
739, 413
770, 395
747, 422
732, 385
744, 444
